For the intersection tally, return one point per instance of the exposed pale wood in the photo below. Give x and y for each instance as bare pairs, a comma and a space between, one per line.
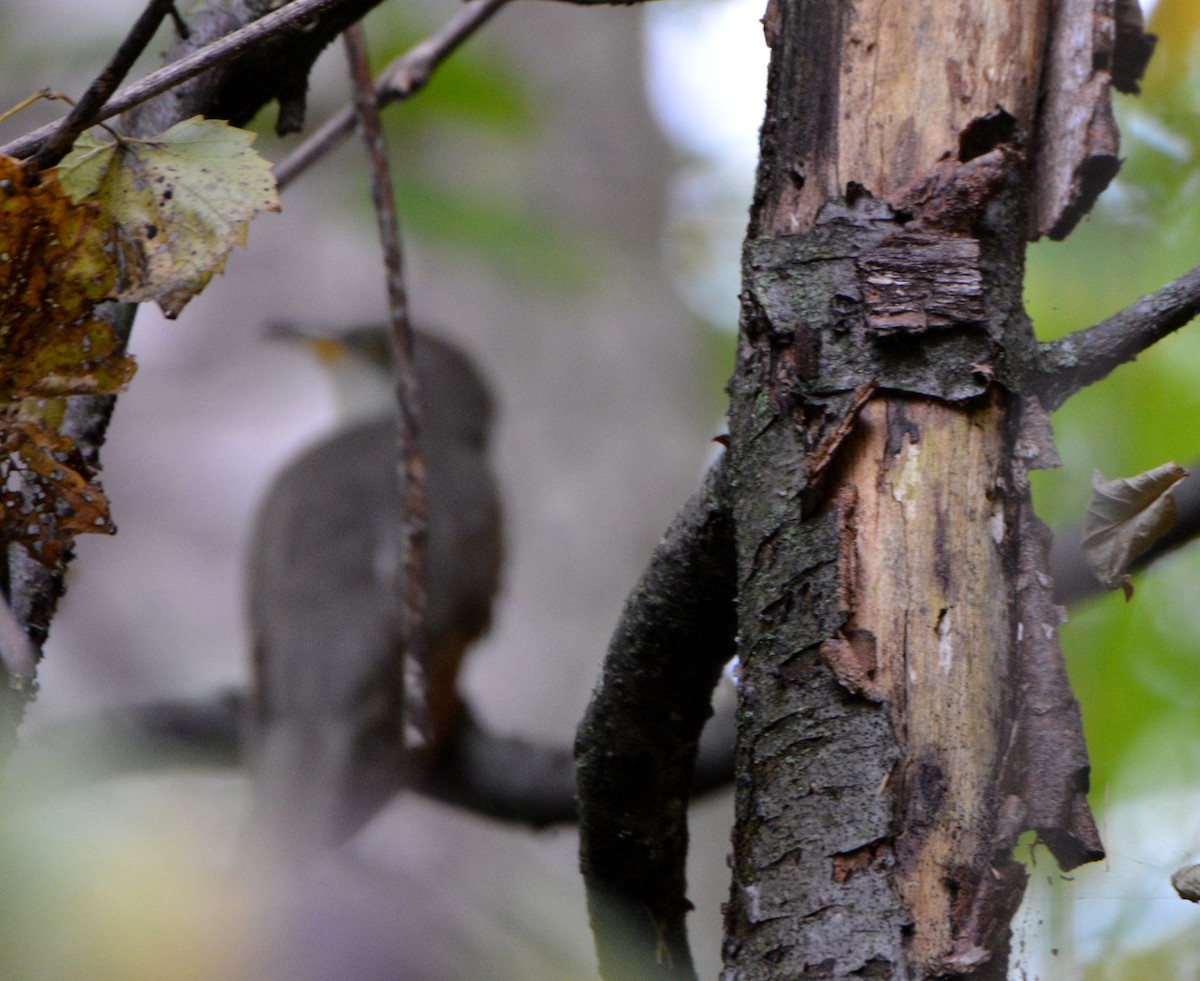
929, 534
910, 78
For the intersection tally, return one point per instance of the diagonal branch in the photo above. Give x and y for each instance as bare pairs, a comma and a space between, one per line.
636, 746
402, 79
1085, 356
85, 112
505, 777
224, 49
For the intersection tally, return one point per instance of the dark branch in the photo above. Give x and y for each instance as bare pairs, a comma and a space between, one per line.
502, 777
636, 746
33, 589
1085, 356
145, 738
279, 68
414, 515
18, 654
87, 109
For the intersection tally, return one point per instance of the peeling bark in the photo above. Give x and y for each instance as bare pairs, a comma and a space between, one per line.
1094, 45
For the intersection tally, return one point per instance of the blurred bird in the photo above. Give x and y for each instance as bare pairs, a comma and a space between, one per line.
325, 588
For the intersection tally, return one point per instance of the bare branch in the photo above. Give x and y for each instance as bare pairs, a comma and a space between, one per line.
1086, 356
513, 779
144, 738
414, 521
85, 112
497, 776
402, 79
226, 48
636, 747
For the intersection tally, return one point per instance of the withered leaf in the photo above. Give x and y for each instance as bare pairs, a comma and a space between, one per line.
58, 267
57, 497
1187, 883
1124, 518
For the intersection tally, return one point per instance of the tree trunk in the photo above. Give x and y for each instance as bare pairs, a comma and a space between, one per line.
904, 709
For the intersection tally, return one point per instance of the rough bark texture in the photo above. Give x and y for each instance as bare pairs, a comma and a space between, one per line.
905, 713
636, 747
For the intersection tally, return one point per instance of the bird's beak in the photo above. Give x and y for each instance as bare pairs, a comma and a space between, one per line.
329, 350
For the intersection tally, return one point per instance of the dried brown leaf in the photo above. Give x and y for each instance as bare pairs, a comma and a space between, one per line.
59, 267
1124, 518
1187, 883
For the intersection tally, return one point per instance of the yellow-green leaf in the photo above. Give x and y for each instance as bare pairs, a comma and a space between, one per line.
179, 202
1124, 518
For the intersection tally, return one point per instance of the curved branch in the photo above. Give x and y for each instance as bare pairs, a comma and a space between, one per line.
636, 746
1085, 356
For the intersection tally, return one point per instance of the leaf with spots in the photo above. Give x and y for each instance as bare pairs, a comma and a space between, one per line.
179, 203
59, 265
1124, 518
56, 496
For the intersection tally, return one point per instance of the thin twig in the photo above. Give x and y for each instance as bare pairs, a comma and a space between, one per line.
226, 48
414, 529
1086, 356
85, 111
403, 78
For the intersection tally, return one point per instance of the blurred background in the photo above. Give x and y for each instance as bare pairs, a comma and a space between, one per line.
573, 189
